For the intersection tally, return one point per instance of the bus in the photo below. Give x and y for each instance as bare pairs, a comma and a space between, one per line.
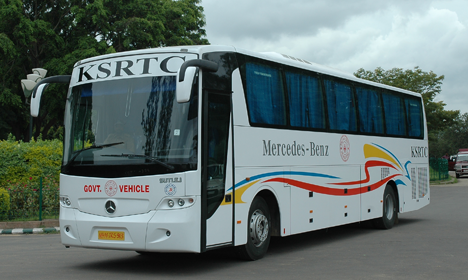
193, 148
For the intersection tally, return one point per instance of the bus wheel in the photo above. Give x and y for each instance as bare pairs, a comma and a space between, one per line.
258, 231
390, 211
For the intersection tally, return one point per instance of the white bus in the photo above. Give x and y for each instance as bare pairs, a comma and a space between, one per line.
188, 149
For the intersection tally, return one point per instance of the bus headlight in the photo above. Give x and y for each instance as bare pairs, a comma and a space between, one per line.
65, 201
170, 203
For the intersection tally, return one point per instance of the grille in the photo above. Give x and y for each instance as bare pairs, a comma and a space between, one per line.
422, 182
384, 172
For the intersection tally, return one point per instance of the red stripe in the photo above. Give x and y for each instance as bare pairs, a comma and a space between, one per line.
332, 191
370, 163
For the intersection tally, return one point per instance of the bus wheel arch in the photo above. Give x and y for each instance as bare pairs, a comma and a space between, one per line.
263, 222
272, 203
390, 207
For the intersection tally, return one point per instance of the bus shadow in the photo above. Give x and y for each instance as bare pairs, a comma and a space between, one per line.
324, 237
169, 264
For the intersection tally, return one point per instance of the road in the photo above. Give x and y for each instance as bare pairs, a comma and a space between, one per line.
430, 243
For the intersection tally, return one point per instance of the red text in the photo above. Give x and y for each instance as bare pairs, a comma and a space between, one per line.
134, 188
92, 188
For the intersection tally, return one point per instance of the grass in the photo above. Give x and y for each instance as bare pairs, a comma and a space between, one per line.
450, 180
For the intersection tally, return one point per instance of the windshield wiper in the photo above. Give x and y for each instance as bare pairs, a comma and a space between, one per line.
94, 146
154, 159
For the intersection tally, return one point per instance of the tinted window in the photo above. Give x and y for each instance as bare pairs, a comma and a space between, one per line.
370, 111
340, 104
265, 97
305, 101
394, 114
414, 117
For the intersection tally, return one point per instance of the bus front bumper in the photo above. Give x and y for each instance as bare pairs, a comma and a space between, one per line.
155, 231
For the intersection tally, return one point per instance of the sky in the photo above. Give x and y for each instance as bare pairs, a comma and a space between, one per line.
349, 35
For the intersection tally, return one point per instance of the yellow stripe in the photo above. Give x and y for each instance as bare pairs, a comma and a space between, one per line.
372, 151
240, 192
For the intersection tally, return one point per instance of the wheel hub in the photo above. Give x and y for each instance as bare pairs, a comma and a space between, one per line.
258, 228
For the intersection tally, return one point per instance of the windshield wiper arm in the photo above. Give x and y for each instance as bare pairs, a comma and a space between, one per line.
94, 146
154, 159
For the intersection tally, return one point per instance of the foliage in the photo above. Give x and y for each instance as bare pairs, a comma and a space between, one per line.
56, 34
428, 84
449, 140
25, 199
4, 203
21, 167
22, 162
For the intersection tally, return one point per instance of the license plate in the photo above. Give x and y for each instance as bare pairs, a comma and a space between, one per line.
111, 235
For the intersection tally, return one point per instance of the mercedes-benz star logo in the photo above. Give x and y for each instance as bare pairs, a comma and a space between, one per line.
110, 207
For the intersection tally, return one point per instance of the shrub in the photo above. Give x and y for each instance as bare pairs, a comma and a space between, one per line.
4, 203
22, 162
21, 167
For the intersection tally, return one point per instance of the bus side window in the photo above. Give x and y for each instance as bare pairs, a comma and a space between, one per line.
414, 117
264, 94
340, 104
394, 114
305, 101
370, 111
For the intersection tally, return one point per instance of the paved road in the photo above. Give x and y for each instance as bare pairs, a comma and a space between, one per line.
430, 243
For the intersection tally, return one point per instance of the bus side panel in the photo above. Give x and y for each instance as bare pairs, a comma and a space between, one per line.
371, 202
312, 208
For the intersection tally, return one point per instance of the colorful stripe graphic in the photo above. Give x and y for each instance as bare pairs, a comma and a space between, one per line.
377, 157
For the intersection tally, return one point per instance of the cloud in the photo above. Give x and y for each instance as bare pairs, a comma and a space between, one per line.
349, 35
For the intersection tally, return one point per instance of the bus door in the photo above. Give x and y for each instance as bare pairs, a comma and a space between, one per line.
217, 209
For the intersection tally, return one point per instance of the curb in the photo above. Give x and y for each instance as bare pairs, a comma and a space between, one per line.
30, 231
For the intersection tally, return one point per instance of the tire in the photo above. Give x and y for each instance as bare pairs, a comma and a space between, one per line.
390, 210
457, 175
258, 231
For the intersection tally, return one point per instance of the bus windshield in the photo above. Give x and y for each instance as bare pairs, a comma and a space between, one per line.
129, 127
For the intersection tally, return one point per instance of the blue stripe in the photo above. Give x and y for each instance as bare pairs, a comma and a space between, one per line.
282, 173
389, 153
399, 182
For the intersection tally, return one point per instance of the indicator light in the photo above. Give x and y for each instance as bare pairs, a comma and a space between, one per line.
65, 201
181, 202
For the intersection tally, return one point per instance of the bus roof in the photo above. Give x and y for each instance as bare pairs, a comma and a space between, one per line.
271, 56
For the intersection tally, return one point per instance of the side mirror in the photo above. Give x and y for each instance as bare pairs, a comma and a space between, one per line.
36, 100
39, 89
186, 74
184, 87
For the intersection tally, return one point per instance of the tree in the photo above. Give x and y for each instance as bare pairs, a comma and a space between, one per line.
55, 34
452, 138
428, 84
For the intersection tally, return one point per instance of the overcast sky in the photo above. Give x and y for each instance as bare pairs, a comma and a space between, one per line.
349, 35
